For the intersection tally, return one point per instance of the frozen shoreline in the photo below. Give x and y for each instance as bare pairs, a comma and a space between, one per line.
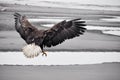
59, 58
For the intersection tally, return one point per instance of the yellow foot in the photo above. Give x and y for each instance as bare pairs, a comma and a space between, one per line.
44, 53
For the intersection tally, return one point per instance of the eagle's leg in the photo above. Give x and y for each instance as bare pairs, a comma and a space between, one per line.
43, 51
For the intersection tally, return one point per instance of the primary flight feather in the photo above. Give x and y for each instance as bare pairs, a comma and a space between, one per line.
38, 39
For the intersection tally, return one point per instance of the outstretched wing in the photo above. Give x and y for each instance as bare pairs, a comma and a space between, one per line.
18, 26
64, 30
24, 28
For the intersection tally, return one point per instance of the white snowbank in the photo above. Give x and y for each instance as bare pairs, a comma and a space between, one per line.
59, 58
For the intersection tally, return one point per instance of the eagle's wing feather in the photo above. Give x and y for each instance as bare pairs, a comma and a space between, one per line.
24, 27
18, 25
62, 31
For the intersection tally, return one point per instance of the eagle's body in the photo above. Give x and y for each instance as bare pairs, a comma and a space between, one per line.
46, 38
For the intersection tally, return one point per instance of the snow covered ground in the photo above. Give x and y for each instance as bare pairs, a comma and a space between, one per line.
59, 58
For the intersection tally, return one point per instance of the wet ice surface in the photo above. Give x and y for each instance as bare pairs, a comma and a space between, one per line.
59, 58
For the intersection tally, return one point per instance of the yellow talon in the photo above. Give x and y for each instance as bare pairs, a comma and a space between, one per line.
44, 53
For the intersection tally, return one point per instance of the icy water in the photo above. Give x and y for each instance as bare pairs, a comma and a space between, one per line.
59, 58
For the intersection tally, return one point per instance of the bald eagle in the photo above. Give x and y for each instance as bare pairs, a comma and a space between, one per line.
38, 39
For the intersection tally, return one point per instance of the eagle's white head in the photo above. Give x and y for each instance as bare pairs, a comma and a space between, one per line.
31, 50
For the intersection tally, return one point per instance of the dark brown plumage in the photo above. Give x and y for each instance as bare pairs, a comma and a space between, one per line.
51, 37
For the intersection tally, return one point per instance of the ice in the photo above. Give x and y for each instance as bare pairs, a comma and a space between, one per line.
102, 28
45, 20
76, 4
112, 32
115, 19
59, 58
106, 30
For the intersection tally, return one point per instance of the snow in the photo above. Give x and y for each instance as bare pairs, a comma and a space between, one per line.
59, 58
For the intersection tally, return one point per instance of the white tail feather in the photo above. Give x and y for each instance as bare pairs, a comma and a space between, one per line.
31, 50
